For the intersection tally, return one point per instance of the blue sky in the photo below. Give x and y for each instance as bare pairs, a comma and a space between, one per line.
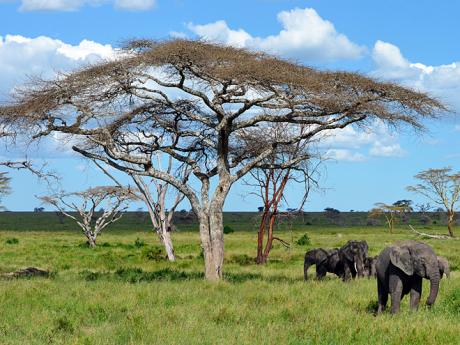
411, 42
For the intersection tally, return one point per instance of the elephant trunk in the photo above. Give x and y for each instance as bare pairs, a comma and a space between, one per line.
434, 287
359, 266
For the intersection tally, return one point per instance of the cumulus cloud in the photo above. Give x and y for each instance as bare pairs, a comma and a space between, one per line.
135, 5
350, 144
73, 5
442, 81
21, 56
304, 35
379, 149
344, 155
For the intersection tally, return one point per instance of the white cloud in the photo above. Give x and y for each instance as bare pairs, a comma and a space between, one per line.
305, 35
73, 5
349, 143
344, 155
21, 56
50, 5
135, 5
442, 81
379, 149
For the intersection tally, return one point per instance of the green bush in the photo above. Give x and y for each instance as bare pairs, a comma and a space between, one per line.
304, 240
138, 243
12, 240
228, 229
154, 254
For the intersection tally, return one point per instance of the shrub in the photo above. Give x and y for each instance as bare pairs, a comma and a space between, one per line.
154, 253
12, 240
228, 229
242, 260
304, 240
138, 243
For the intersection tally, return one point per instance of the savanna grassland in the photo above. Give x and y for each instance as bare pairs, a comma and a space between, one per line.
125, 292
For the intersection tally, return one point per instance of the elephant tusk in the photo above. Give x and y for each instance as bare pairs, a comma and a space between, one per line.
356, 267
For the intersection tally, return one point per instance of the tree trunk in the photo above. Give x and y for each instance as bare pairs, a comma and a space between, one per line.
212, 230
450, 223
166, 240
269, 245
164, 235
212, 243
260, 259
91, 241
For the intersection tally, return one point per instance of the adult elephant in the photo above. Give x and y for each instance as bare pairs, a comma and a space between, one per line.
400, 270
352, 255
326, 260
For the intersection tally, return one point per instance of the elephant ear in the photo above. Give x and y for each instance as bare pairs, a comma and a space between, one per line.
347, 252
401, 258
443, 265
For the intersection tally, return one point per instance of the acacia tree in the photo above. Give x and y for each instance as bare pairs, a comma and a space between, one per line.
93, 209
160, 216
442, 186
194, 101
390, 212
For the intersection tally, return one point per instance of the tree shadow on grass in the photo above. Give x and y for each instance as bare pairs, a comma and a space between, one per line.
138, 275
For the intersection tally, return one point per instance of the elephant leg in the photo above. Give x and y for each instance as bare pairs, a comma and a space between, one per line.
347, 272
321, 271
382, 295
396, 291
415, 292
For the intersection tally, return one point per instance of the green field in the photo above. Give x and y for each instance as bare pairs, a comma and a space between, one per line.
124, 292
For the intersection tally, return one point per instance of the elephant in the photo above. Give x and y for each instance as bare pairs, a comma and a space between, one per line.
352, 255
400, 270
326, 260
369, 267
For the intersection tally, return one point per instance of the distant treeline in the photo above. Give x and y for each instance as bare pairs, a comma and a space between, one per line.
238, 221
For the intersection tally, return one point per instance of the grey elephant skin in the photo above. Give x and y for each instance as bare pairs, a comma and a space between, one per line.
326, 260
353, 255
400, 270
369, 267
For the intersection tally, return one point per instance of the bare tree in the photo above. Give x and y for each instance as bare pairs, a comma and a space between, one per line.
4, 186
195, 101
84, 211
160, 216
270, 180
441, 186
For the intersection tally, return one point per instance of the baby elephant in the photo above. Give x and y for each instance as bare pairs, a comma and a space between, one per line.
400, 270
326, 260
369, 267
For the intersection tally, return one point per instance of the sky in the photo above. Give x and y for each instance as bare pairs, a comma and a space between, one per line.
414, 43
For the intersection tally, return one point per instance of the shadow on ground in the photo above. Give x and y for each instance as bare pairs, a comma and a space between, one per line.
138, 275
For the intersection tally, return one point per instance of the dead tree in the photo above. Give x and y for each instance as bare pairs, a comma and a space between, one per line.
160, 216
84, 213
4, 186
270, 181
194, 101
441, 186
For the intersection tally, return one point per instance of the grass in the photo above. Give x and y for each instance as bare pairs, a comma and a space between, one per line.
125, 292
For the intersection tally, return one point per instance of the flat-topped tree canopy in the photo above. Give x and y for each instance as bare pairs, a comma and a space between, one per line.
199, 103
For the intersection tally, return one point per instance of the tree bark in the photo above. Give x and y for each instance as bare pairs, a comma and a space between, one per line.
91, 241
450, 222
165, 238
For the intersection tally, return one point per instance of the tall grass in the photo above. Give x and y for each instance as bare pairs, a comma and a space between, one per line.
125, 292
